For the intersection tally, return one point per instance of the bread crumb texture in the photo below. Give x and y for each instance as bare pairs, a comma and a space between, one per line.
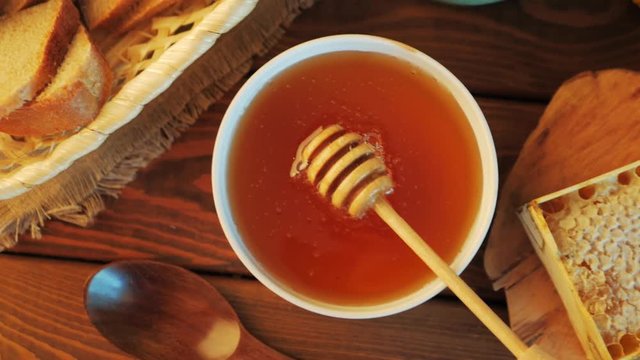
597, 230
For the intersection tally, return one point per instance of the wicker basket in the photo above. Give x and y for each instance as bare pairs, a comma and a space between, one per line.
65, 177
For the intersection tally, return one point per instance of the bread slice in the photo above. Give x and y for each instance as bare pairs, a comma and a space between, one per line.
33, 43
103, 14
73, 98
12, 6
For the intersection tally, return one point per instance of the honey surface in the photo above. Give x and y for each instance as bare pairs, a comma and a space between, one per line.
298, 236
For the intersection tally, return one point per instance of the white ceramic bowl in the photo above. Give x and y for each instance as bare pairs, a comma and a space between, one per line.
366, 43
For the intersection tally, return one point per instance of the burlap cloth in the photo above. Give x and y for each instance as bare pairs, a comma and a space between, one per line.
76, 195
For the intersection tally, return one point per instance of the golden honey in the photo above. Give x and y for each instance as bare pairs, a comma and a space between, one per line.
428, 146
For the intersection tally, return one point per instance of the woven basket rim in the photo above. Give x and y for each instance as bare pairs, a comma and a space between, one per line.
122, 108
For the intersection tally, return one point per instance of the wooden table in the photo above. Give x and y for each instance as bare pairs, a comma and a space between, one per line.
511, 55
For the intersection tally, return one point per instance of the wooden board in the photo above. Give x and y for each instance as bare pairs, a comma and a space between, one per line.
43, 318
591, 126
507, 54
512, 49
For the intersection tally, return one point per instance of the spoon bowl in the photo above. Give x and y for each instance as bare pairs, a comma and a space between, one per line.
157, 311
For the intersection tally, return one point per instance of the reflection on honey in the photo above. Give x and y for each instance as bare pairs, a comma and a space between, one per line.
428, 147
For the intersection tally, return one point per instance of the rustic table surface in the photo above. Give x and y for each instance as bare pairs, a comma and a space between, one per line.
511, 55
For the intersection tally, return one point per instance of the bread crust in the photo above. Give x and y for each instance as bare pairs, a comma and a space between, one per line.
71, 108
10, 7
112, 19
65, 26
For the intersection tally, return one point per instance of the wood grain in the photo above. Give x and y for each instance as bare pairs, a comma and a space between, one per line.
512, 49
508, 53
166, 213
42, 314
545, 321
42, 317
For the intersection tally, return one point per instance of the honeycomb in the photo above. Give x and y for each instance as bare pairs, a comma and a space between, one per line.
595, 228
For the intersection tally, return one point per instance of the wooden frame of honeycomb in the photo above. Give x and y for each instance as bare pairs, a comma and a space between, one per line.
588, 238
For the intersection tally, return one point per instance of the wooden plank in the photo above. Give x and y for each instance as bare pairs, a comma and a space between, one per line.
512, 49
42, 316
167, 213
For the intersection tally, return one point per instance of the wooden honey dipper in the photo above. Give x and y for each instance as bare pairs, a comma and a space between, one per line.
362, 186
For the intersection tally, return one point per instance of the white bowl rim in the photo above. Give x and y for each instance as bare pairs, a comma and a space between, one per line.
367, 43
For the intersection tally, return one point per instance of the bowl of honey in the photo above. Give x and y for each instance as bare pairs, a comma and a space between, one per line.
436, 144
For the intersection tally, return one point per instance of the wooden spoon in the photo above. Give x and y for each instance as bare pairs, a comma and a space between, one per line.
158, 311
349, 171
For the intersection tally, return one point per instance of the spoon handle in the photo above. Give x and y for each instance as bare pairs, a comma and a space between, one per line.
251, 348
